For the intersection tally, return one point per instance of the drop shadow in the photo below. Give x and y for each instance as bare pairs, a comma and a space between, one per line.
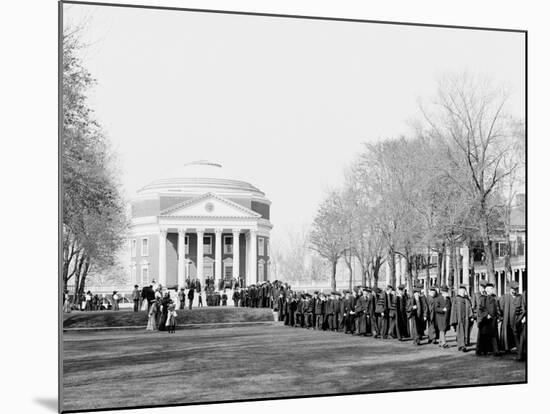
49, 403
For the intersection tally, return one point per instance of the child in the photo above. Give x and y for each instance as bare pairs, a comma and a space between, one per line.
171, 319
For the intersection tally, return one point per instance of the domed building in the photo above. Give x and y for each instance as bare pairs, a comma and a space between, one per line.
200, 225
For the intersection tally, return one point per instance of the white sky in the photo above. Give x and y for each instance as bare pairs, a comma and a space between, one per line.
282, 103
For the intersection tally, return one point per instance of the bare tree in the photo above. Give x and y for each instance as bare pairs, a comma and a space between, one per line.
327, 236
469, 116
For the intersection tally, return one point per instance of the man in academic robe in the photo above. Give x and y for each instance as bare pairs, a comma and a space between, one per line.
375, 316
308, 311
345, 310
401, 328
361, 308
336, 317
382, 309
521, 326
314, 298
299, 314
461, 318
509, 304
392, 314
320, 310
442, 314
417, 313
476, 299
433, 330
487, 319
329, 312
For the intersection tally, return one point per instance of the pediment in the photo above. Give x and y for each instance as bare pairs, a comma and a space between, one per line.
209, 205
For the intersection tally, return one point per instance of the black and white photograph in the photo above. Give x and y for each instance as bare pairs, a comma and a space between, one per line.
258, 206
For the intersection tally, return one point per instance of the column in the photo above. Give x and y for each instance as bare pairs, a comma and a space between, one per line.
200, 256
520, 274
218, 255
253, 256
181, 258
236, 252
466, 266
162, 257
388, 270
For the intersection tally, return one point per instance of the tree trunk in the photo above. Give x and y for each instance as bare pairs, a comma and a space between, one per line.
452, 270
440, 263
391, 262
333, 276
487, 245
376, 271
82, 284
428, 262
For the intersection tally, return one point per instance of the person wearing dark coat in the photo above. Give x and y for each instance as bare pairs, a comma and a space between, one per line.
191, 296
476, 299
442, 310
509, 304
433, 330
320, 305
329, 312
337, 305
345, 309
292, 309
521, 325
417, 313
487, 320
299, 314
236, 297
165, 302
382, 310
361, 309
281, 307
285, 310
375, 318
308, 311
401, 326
461, 318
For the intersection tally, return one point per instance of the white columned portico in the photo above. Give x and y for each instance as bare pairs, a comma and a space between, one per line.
181, 258
253, 256
200, 256
218, 254
236, 252
162, 257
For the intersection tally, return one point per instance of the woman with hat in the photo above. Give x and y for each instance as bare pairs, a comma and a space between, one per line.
154, 310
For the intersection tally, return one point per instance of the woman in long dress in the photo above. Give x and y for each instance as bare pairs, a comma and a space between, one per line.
152, 322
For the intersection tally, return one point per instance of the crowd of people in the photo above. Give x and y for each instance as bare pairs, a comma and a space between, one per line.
388, 314
395, 314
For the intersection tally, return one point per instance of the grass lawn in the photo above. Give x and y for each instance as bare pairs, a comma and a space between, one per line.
131, 368
202, 315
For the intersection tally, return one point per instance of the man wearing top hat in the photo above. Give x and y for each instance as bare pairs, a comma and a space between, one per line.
509, 304
308, 311
461, 318
320, 303
392, 314
487, 319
